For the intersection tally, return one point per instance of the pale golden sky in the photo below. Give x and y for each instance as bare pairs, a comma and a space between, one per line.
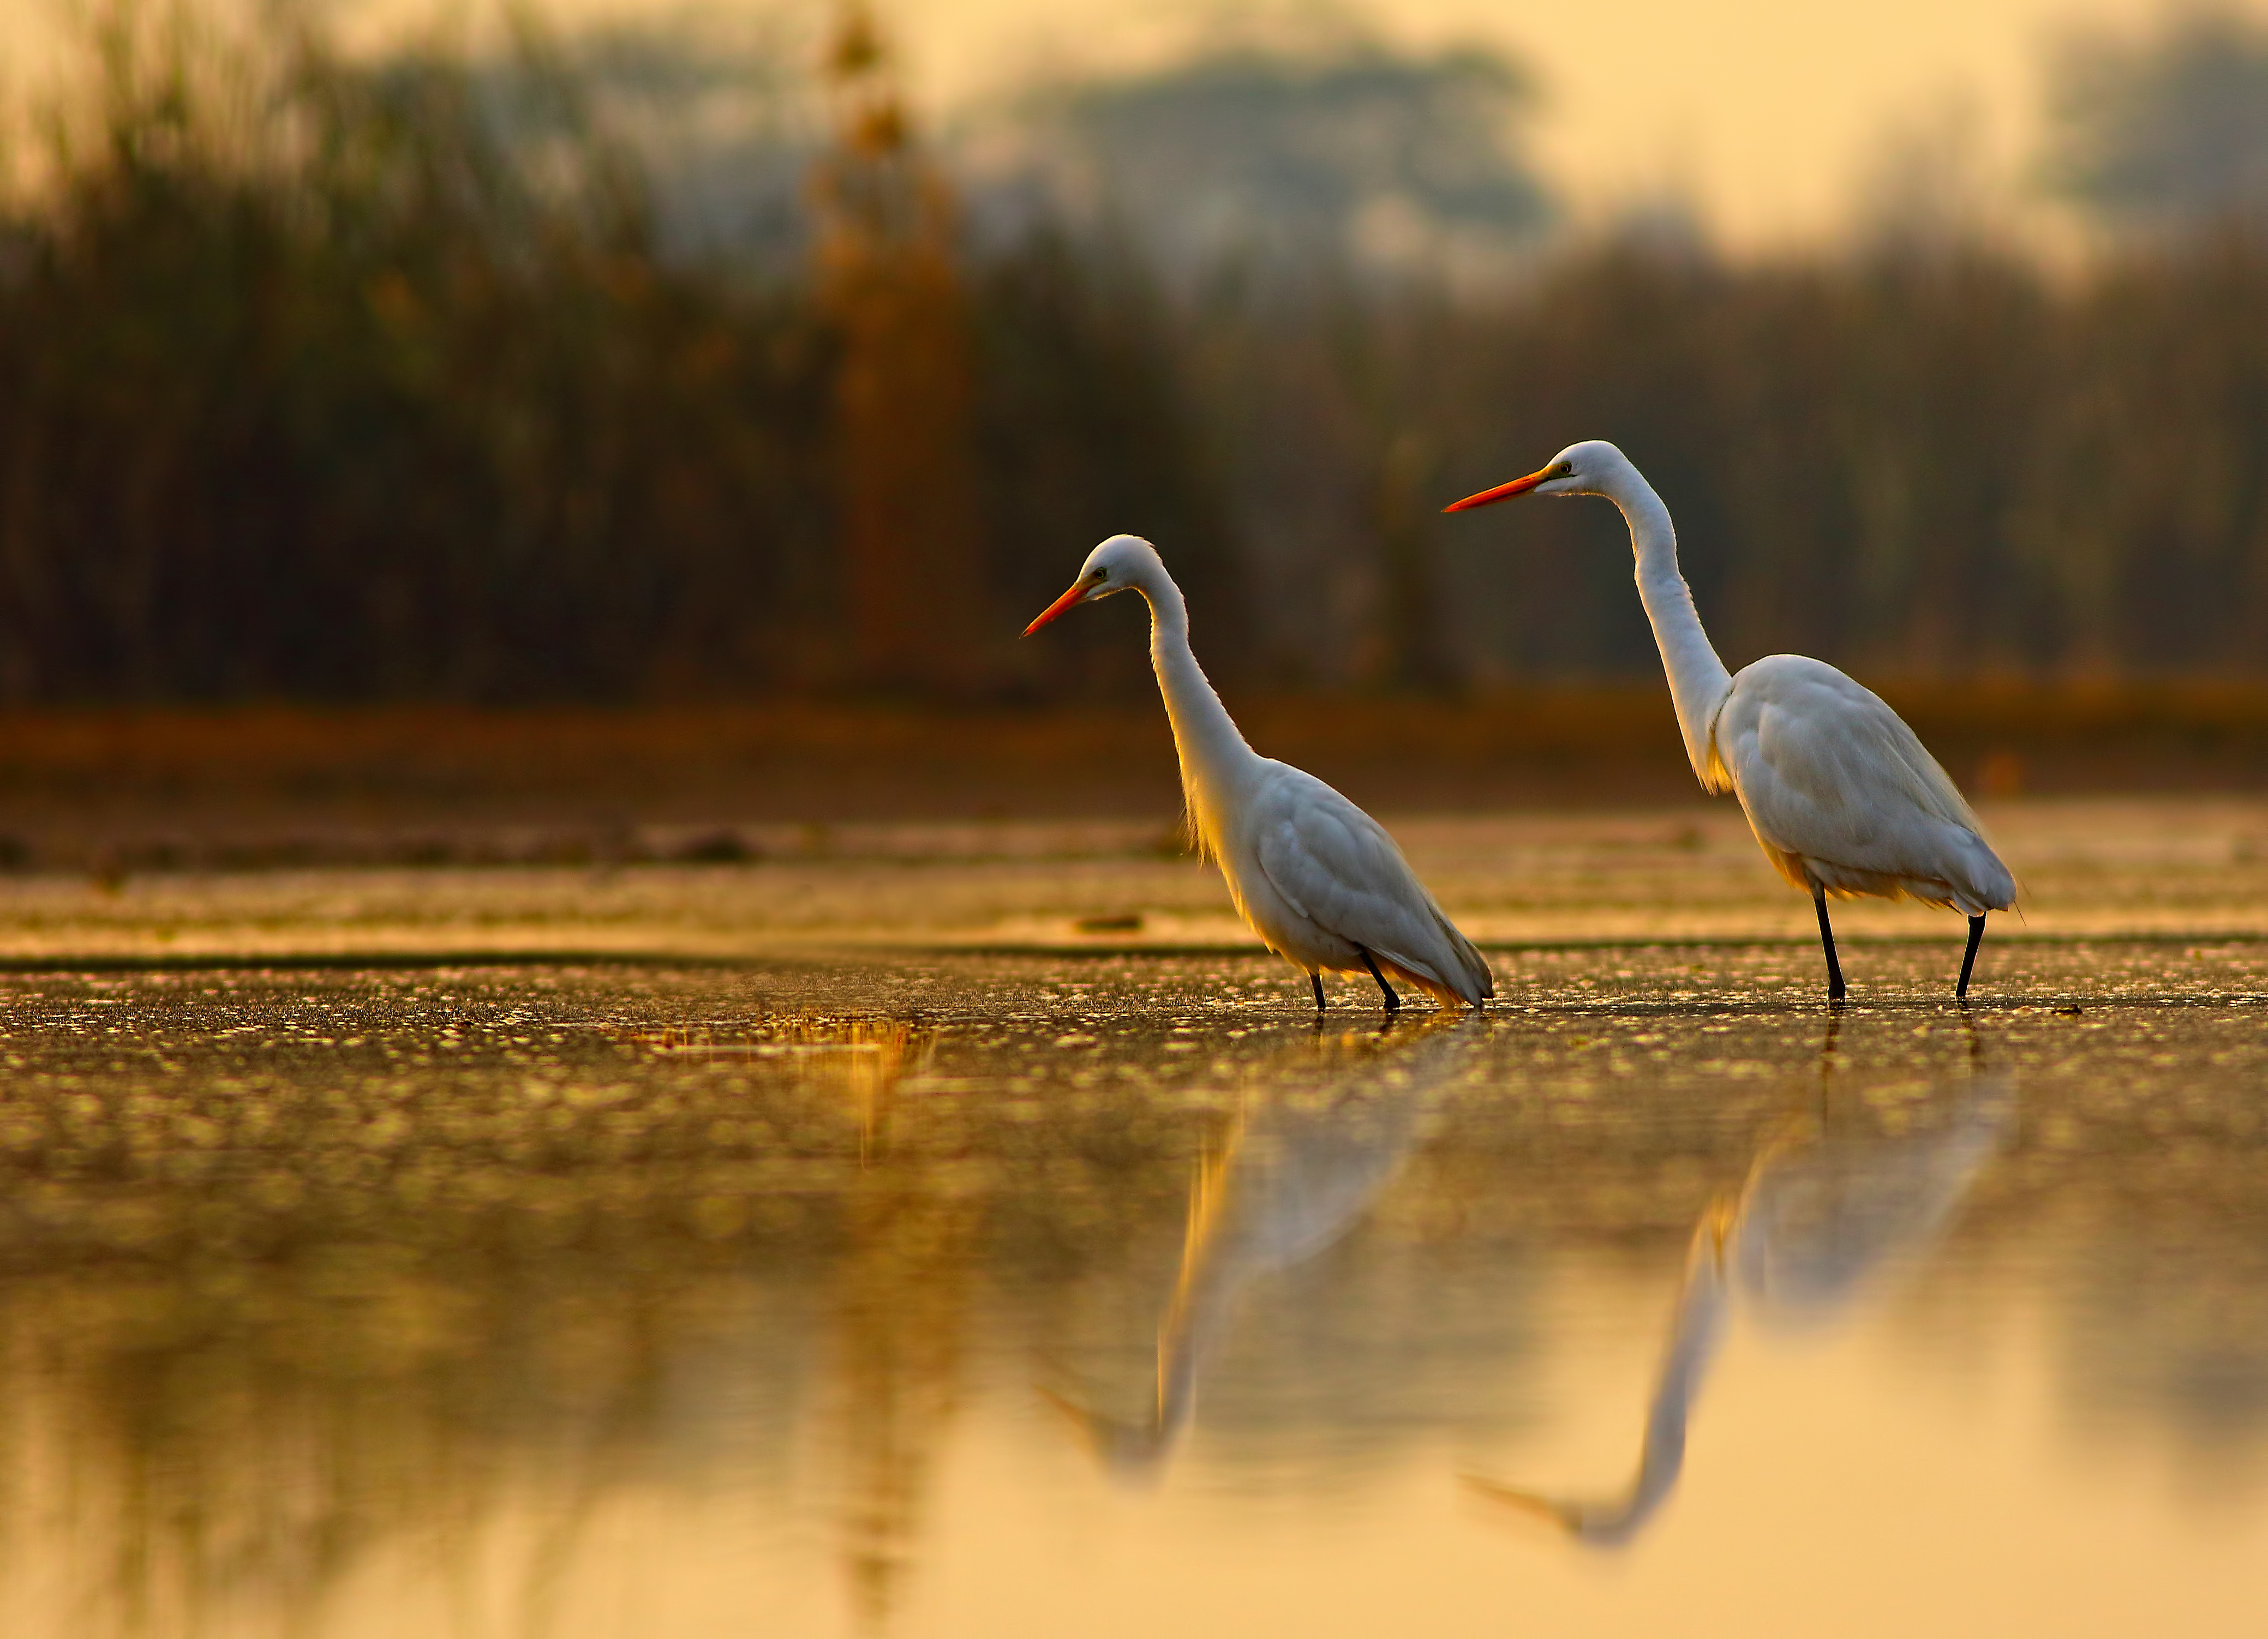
1764, 111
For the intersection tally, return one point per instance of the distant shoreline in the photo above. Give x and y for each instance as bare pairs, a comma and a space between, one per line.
125, 791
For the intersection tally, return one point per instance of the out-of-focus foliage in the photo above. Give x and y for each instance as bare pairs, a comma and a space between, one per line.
347, 380
366, 399
890, 286
1923, 463
2166, 131
1353, 155
723, 123
343, 381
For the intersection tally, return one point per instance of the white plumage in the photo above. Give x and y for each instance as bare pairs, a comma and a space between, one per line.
1841, 795
1318, 879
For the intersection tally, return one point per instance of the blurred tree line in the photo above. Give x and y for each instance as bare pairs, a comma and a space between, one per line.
346, 381
345, 378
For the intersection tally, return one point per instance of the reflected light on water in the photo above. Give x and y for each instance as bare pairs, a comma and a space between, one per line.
1295, 1175
804, 1300
1818, 1216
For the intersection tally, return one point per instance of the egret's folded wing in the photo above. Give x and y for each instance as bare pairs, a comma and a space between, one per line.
1337, 867
1826, 770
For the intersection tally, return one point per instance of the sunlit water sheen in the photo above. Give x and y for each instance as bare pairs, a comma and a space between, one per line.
1116, 1296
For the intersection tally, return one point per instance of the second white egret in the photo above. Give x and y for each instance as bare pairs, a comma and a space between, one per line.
1318, 879
1840, 791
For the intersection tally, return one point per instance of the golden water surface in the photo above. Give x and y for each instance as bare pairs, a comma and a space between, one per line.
962, 1230
1117, 1294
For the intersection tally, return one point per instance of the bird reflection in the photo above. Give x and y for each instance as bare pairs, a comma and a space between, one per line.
1298, 1173
1819, 1220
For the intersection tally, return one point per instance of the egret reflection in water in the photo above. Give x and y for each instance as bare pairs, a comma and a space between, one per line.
659, 1301
1821, 1220
1301, 1166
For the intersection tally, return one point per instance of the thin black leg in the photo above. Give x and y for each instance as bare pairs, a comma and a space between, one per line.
1393, 1002
1969, 960
1827, 940
1316, 980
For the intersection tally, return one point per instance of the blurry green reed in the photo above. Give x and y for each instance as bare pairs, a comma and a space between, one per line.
339, 378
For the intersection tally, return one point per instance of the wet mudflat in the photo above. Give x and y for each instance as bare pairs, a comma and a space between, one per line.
2090, 869
1037, 1295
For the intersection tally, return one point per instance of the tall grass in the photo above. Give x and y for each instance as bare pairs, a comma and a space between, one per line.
316, 390
334, 379
1926, 464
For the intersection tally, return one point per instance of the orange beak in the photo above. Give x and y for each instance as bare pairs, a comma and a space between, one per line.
1502, 492
1077, 594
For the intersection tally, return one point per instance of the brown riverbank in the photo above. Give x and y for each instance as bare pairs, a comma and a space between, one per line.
151, 789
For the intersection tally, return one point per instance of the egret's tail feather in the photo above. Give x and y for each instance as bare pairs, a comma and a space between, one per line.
1462, 990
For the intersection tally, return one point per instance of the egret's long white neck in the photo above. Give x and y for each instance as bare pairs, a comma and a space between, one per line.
1698, 682
1214, 757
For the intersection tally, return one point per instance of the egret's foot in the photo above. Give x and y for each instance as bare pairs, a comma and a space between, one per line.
1827, 943
1968, 959
1316, 980
1393, 1002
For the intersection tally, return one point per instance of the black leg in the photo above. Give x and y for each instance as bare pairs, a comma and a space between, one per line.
1969, 960
1393, 1002
1316, 980
1827, 939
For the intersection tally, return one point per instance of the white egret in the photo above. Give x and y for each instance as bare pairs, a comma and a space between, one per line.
1318, 879
1839, 793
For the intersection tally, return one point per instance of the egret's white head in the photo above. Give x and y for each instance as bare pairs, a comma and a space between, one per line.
1586, 468
1118, 564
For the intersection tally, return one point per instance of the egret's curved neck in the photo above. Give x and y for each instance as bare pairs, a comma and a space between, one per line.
1698, 682
1213, 754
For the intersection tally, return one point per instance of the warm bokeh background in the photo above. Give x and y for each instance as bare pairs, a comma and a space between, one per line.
625, 355
582, 1027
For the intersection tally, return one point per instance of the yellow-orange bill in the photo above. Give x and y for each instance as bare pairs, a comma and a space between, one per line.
1502, 492
1064, 602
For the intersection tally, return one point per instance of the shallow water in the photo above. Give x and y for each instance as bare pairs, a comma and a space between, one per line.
1117, 1294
